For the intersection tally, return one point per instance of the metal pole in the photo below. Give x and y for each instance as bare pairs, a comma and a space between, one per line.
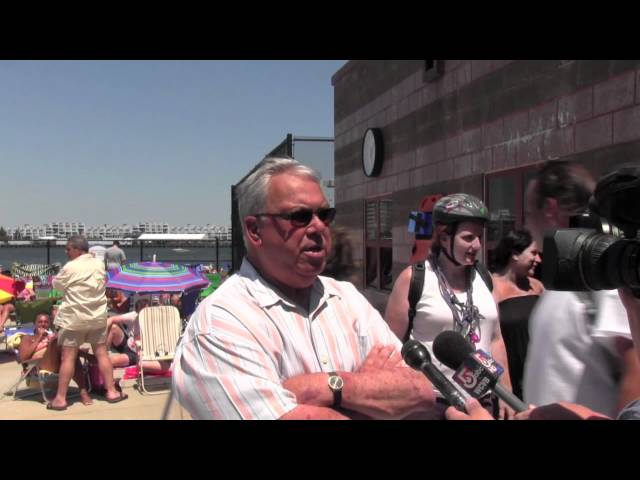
217, 256
141, 242
48, 252
167, 405
290, 145
314, 139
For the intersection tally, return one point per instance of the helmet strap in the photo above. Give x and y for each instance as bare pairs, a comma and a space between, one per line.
451, 256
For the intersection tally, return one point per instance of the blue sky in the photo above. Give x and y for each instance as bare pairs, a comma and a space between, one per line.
128, 141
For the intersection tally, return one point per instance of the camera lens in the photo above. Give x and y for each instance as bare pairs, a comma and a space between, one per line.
593, 260
580, 259
594, 256
616, 194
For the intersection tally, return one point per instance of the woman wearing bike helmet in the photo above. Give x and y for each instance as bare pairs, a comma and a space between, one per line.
454, 296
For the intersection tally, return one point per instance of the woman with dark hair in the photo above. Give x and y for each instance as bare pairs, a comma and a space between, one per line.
43, 346
516, 292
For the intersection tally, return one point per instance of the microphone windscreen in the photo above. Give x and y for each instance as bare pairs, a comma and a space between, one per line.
451, 348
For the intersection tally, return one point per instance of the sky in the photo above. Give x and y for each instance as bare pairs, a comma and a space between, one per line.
127, 141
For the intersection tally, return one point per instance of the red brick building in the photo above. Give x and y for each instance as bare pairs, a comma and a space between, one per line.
477, 126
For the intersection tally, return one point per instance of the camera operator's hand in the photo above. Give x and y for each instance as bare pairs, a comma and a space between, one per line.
505, 411
475, 409
630, 302
632, 305
561, 411
525, 415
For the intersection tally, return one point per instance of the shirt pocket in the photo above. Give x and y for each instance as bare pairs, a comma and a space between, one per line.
364, 340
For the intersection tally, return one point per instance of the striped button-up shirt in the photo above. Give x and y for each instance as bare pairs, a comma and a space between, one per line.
246, 339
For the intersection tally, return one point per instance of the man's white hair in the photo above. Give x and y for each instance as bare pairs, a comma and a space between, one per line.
252, 192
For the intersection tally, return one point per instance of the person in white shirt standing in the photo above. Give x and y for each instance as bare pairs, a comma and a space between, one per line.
98, 252
82, 318
114, 256
580, 349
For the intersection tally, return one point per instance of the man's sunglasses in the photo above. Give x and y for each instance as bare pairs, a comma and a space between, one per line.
302, 218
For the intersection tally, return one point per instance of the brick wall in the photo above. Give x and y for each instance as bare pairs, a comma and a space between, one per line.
480, 116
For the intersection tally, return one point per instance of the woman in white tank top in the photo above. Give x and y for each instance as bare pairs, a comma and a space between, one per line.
449, 300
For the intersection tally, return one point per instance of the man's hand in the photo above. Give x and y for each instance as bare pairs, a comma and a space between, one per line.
381, 358
382, 388
389, 393
394, 390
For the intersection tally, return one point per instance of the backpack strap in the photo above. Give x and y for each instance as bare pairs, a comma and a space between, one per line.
415, 292
417, 284
484, 274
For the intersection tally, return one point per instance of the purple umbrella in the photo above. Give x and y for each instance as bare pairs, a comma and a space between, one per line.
155, 277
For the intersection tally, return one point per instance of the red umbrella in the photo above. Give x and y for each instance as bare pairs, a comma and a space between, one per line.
11, 285
9, 288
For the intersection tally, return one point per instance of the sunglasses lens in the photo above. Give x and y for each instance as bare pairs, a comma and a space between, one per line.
327, 215
301, 218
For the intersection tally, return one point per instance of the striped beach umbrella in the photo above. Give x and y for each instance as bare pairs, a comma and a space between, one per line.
155, 277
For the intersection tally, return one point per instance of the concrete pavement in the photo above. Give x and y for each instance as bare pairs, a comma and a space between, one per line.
137, 407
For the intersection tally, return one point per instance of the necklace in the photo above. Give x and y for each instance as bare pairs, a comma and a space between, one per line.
466, 316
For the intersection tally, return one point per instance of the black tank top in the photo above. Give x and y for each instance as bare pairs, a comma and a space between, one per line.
514, 324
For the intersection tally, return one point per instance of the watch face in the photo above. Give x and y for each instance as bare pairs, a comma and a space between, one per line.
336, 383
369, 153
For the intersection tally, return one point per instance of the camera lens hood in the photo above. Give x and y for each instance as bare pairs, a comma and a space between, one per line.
616, 198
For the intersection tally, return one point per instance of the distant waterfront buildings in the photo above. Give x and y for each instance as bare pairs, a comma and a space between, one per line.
63, 230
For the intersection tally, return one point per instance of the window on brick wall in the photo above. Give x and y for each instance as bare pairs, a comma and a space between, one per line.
505, 199
378, 243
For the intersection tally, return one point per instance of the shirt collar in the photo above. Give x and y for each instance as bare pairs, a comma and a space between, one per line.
326, 287
268, 295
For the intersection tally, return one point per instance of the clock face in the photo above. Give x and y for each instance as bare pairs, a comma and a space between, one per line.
371, 153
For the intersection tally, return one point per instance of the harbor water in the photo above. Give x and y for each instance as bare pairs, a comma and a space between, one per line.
187, 254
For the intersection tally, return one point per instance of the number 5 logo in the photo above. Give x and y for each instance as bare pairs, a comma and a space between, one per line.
467, 379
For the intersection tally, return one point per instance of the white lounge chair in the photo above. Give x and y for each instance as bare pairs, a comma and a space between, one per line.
160, 330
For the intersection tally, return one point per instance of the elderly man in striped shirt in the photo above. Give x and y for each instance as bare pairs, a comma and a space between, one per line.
278, 341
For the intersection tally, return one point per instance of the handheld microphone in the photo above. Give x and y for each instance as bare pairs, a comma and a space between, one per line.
476, 371
417, 357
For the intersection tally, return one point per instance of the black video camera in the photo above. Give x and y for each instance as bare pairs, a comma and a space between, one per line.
603, 251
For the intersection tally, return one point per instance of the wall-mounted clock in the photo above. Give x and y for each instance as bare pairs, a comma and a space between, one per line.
372, 152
